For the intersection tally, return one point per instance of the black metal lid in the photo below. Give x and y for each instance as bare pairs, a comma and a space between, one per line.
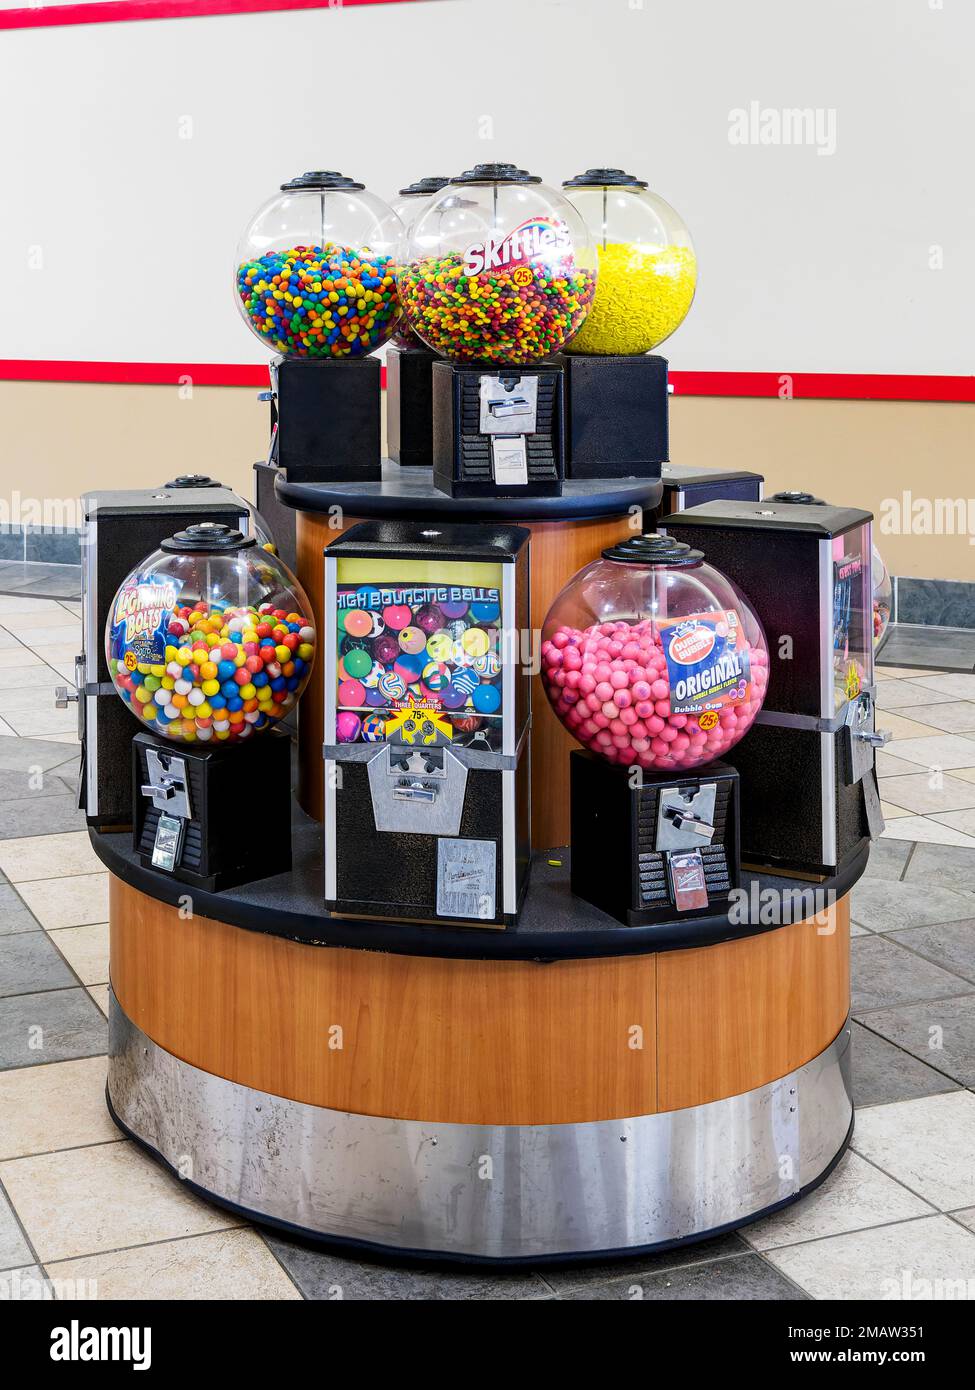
802, 499
495, 173
193, 480
424, 187
315, 180
204, 537
599, 178
654, 549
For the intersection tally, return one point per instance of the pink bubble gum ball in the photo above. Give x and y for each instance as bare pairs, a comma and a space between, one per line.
620, 708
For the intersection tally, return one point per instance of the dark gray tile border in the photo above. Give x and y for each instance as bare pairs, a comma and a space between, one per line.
888, 858
948, 1022
949, 944
936, 602
945, 866
31, 964
60, 547
885, 974
15, 915
321, 1275
40, 580
50, 815
50, 1027
16, 785
883, 1073
935, 649
749, 1278
21, 754
567, 1277
883, 905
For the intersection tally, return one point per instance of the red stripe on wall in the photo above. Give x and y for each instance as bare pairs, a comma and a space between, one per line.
114, 11
841, 386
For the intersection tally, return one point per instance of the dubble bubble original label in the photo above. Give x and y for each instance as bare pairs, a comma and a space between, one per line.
707, 661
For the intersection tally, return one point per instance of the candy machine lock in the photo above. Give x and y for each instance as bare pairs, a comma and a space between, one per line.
168, 787
509, 412
686, 816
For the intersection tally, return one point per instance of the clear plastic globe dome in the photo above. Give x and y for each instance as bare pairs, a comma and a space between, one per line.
883, 597
647, 266
652, 658
211, 638
407, 205
314, 274
499, 269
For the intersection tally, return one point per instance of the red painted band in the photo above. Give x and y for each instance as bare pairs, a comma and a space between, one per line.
850, 386
114, 11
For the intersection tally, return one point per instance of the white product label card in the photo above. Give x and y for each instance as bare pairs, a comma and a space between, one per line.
509, 455
466, 873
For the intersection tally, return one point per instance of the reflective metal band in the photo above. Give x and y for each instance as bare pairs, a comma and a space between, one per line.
485, 1191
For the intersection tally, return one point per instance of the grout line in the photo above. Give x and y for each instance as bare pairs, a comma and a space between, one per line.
960, 1085
274, 1256
20, 1226
68, 1149
145, 1244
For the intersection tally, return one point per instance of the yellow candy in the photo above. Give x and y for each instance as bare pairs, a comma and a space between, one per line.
184, 656
211, 687
306, 651
642, 295
282, 653
157, 670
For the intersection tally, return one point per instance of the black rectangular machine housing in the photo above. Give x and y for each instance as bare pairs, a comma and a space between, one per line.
479, 449
216, 783
326, 418
427, 769
686, 486
618, 860
409, 405
617, 416
120, 530
809, 797
280, 520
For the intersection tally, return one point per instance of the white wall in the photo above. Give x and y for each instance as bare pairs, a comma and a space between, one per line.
808, 262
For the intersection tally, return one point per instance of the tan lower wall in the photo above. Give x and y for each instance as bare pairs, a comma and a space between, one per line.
63, 439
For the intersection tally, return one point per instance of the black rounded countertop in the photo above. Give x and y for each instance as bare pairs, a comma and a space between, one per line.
409, 492
553, 925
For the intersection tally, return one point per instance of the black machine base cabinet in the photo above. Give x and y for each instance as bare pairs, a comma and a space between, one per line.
462, 452
409, 406
615, 862
394, 875
327, 418
216, 850
617, 416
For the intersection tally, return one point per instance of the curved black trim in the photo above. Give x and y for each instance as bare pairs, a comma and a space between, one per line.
389, 1254
409, 493
292, 906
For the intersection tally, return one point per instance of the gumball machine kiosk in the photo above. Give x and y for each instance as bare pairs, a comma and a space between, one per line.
314, 280
498, 276
657, 664
427, 813
209, 643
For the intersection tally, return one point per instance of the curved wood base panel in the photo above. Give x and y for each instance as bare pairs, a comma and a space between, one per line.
479, 1041
558, 550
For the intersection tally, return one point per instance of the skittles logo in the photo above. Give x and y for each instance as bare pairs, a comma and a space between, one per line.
540, 238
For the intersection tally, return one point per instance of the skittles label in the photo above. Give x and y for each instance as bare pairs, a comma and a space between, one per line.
707, 661
140, 618
539, 238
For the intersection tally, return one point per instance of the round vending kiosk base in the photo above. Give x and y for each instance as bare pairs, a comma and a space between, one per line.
475, 1107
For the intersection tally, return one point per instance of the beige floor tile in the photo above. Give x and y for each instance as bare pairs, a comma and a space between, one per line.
16, 657
43, 718
232, 1265
889, 766
60, 633
30, 677
84, 1201
892, 812
32, 697
957, 820
900, 729
968, 773
6, 731
967, 1218
925, 830
100, 995
958, 684
14, 605
927, 1144
892, 695
854, 1196
57, 1106
924, 794
67, 902
60, 738
947, 751
86, 951
38, 621
953, 717
896, 671
921, 1260
48, 856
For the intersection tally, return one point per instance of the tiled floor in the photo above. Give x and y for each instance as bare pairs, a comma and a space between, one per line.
80, 1203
